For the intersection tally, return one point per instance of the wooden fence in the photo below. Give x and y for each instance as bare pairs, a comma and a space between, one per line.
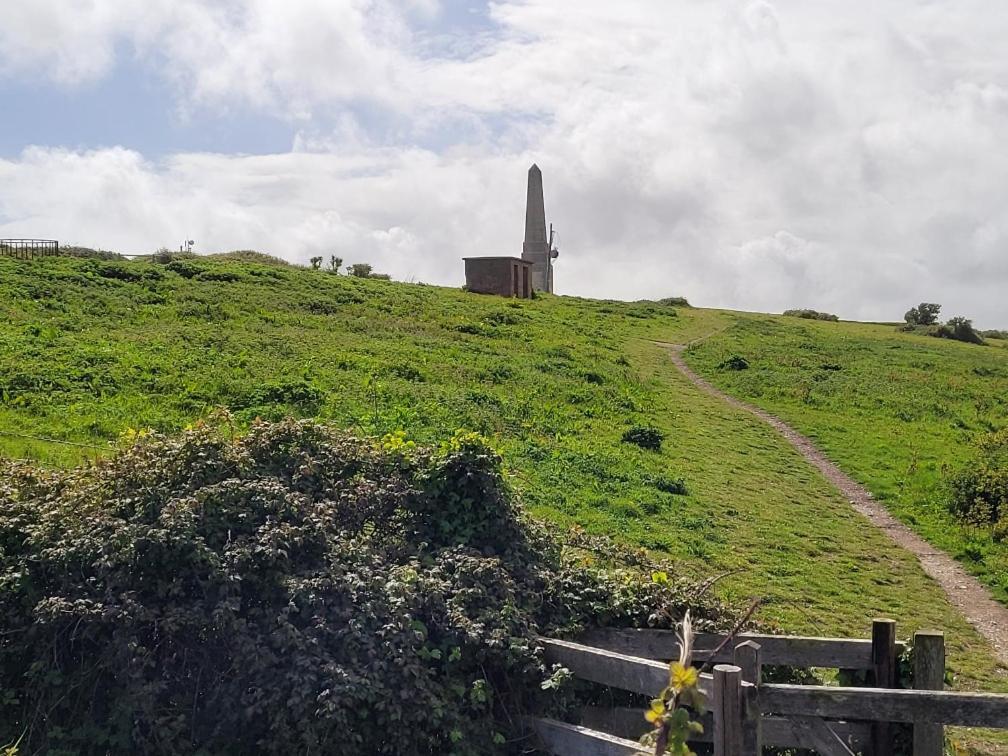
745, 714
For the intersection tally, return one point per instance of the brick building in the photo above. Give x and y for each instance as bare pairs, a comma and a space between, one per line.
504, 276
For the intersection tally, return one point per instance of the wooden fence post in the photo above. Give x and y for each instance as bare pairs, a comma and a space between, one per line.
884, 666
726, 705
747, 658
928, 674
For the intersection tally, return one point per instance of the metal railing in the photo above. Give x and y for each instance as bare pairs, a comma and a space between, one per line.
26, 249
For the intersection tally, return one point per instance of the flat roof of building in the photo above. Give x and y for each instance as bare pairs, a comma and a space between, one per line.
500, 257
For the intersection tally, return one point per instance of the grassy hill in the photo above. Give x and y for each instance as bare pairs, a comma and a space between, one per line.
91, 349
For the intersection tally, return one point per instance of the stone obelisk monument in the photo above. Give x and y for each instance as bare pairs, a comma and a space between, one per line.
536, 248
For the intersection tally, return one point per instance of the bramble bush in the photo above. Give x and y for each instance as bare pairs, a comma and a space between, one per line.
295, 589
978, 491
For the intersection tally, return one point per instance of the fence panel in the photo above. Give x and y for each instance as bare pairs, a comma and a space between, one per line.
26, 249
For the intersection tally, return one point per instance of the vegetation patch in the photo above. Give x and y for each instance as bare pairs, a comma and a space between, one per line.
675, 302
735, 362
293, 590
811, 314
646, 437
978, 490
676, 486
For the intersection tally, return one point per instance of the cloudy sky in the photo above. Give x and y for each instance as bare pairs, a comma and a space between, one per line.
847, 156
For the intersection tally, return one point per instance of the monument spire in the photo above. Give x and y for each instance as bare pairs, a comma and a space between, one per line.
536, 248
535, 209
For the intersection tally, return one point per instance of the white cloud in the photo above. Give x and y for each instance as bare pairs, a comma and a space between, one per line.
755, 155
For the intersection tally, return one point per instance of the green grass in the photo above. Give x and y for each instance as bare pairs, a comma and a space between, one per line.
90, 349
894, 410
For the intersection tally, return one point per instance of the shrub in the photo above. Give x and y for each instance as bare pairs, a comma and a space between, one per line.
644, 436
735, 362
675, 486
88, 252
360, 270
960, 329
811, 315
252, 256
130, 272
225, 276
675, 302
294, 590
300, 393
977, 493
164, 256
184, 268
994, 334
926, 313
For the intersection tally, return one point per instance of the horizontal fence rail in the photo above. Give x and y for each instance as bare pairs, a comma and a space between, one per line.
791, 650
779, 732
620, 671
887, 705
563, 738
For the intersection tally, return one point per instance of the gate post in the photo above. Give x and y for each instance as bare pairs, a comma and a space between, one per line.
726, 705
747, 657
928, 674
884, 665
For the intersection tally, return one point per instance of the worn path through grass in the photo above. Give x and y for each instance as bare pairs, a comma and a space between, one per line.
965, 592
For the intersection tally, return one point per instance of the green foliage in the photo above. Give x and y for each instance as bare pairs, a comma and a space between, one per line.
995, 334
675, 302
71, 250
84, 358
360, 270
811, 315
296, 589
735, 362
251, 256
316, 262
164, 256
122, 271
978, 490
646, 437
675, 486
926, 313
958, 328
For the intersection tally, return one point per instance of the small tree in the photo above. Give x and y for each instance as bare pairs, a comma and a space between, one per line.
360, 270
335, 263
926, 313
316, 262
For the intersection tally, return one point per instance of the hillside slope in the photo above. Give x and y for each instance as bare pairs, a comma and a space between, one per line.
893, 410
92, 349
